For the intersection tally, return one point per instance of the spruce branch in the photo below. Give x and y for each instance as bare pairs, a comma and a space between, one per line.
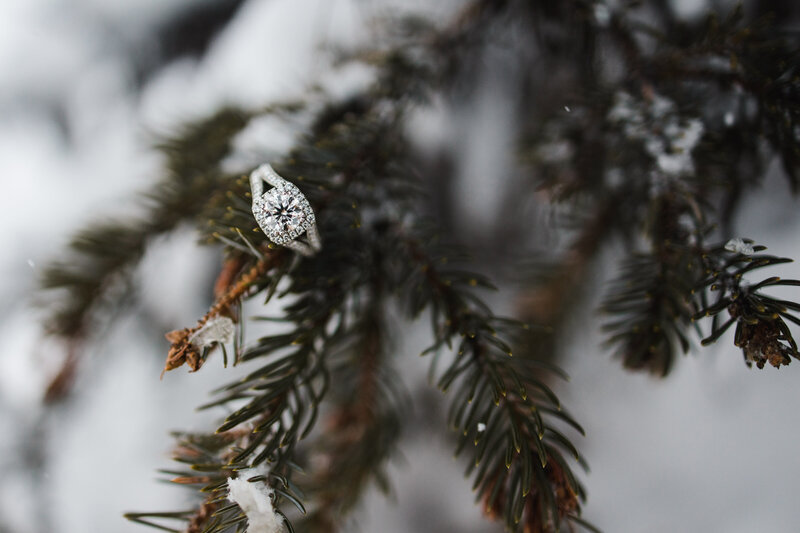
761, 329
651, 311
651, 300
655, 302
182, 350
280, 400
498, 405
296, 374
363, 426
733, 54
202, 453
103, 255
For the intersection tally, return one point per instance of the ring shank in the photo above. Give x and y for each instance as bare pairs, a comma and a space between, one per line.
264, 173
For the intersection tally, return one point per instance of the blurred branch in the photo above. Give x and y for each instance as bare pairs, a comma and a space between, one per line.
103, 256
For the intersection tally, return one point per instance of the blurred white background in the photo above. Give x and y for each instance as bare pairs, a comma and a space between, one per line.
82, 93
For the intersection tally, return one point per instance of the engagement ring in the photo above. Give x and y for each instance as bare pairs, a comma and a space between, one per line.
283, 212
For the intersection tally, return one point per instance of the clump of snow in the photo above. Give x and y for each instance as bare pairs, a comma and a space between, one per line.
739, 245
667, 137
602, 14
255, 499
555, 152
217, 329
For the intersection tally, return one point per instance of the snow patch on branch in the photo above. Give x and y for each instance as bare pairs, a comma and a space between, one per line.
217, 329
667, 137
740, 246
255, 499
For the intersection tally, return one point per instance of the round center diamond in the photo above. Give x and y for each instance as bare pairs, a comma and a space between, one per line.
282, 212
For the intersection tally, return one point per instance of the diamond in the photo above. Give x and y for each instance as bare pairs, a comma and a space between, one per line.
281, 213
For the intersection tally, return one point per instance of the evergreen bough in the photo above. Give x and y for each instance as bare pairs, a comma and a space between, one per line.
642, 154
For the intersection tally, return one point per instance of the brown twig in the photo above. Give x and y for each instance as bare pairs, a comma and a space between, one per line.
198, 521
182, 351
61, 384
231, 268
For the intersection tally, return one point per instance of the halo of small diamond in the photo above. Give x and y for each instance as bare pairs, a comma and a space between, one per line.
283, 213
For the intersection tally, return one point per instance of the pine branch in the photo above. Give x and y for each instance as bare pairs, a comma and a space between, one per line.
280, 399
732, 54
499, 405
656, 302
294, 378
651, 311
182, 350
364, 425
761, 329
651, 300
103, 255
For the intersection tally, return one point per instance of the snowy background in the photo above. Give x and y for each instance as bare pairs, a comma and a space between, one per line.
82, 93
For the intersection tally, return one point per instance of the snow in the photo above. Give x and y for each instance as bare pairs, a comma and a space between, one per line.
602, 14
739, 246
555, 152
690, 9
218, 329
671, 149
255, 499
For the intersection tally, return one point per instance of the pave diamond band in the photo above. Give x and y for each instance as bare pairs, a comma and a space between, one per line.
283, 212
